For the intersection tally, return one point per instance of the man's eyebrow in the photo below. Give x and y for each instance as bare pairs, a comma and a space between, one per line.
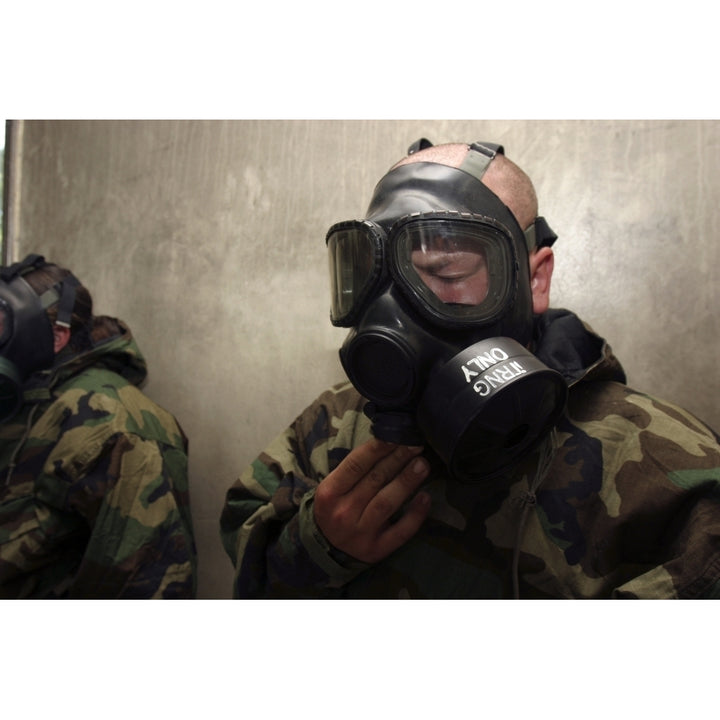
435, 261
439, 262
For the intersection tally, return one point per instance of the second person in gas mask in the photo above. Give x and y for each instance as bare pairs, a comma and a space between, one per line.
94, 499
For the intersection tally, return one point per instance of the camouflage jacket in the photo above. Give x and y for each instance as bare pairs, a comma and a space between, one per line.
93, 484
629, 507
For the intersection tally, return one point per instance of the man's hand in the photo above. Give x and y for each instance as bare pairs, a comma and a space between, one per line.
355, 503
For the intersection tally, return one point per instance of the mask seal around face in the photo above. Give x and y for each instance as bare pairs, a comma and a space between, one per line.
435, 287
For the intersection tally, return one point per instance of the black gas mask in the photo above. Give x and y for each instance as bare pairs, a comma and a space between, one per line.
435, 285
26, 334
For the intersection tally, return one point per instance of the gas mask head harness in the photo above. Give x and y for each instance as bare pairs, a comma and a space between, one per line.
435, 286
26, 333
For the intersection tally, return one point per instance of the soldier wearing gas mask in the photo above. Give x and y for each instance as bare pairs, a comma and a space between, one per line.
93, 474
436, 284
486, 446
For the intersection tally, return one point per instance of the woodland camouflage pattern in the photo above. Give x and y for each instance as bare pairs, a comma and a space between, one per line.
630, 506
97, 504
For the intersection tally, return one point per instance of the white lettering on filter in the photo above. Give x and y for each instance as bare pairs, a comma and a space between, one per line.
498, 377
483, 362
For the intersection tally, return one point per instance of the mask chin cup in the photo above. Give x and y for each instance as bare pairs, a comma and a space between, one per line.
489, 405
10, 390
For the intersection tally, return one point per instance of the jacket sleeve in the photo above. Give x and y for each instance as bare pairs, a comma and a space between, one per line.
118, 466
267, 525
639, 505
141, 542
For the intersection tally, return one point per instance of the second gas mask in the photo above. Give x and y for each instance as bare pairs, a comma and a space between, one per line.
26, 334
435, 286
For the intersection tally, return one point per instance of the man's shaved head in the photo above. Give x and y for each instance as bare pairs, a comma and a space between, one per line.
503, 177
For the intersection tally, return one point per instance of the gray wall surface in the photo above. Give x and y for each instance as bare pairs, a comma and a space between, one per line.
207, 238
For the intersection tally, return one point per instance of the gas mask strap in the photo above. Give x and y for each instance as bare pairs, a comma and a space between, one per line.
476, 162
418, 145
67, 300
539, 234
479, 157
31, 262
62, 292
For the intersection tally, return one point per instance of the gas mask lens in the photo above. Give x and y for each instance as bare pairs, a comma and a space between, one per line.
355, 253
453, 268
458, 270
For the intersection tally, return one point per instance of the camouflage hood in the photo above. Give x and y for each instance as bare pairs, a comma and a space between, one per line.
113, 348
566, 344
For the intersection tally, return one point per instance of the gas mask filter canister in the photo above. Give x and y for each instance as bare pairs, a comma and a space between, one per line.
488, 406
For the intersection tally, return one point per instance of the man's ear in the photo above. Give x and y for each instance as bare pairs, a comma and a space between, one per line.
542, 263
61, 335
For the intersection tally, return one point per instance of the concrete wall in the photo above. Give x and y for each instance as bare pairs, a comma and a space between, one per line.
207, 238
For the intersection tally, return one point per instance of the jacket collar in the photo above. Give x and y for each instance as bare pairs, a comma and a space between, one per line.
566, 344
